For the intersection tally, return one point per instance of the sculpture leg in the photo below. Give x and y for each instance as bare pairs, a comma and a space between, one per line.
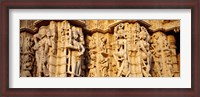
78, 68
73, 66
139, 67
39, 70
73, 70
45, 70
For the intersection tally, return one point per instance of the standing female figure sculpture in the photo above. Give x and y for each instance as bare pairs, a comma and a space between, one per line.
143, 54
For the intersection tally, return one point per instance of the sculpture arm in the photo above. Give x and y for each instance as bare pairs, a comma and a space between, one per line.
71, 47
143, 48
82, 49
46, 48
36, 46
35, 37
115, 57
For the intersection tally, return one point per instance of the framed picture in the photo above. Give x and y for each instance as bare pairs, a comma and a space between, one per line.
54, 48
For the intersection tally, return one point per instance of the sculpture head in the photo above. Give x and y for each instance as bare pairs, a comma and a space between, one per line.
74, 32
52, 25
121, 26
136, 27
42, 32
48, 32
65, 25
144, 35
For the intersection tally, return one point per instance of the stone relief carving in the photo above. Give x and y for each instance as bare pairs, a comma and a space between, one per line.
92, 55
120, 53
143, 55
130, 49
77, 50
175, 68
162, 55
41, 47
26, 55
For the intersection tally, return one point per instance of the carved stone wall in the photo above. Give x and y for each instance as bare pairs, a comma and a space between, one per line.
99, 48
27, 55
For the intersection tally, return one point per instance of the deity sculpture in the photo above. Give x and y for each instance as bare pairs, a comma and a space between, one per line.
121, 53
77, 51
143, 54
42, 47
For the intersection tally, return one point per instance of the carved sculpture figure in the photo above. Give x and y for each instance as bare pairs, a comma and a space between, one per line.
42, 47
92, 64
102, 45
52, 27
156, 54
103, 61
77, 51
161, 55
143, 54
92, 52
121, 53
26, 55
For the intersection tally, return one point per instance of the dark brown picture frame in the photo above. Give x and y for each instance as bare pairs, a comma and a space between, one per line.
194, 91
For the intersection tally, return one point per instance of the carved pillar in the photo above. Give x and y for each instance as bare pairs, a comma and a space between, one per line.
175, 67
52, 49
178, 59
112, 62
161, 55
110, 56
121, 49
103, 55
135, 29
92, 52
26, 55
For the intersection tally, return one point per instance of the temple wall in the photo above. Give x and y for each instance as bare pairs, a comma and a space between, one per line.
100, 48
